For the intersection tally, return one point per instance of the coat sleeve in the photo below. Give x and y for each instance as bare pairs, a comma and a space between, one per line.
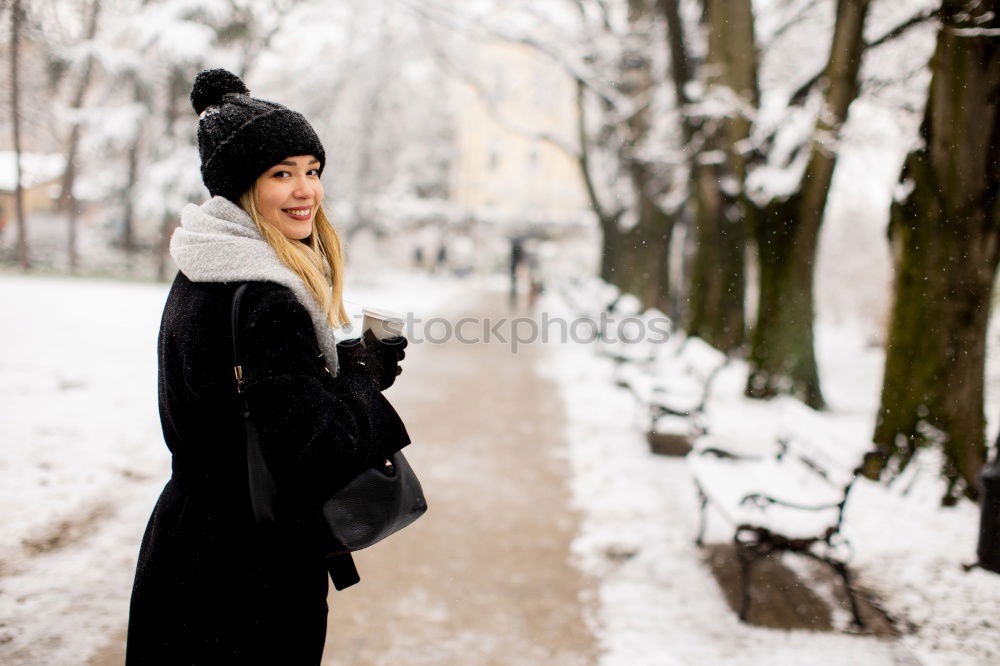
316, 431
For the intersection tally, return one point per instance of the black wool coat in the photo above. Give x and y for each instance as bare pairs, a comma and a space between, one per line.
211, 586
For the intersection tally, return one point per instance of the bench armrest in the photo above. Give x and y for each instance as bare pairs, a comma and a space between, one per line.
763, 500
659, 409
724, 454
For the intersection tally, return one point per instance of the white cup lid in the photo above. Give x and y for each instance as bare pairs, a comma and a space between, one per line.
387, 315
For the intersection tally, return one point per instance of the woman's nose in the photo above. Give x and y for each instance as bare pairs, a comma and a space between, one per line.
303, 190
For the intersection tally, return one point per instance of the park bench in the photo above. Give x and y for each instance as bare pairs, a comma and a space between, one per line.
673, 392
606, 307
790, 500
587, 298
630, 340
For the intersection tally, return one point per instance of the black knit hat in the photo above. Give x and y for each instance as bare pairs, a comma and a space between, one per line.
240, 137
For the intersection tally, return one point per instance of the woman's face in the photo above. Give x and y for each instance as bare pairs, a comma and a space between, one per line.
289, 193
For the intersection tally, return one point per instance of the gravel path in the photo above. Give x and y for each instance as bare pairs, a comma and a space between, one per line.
484, 577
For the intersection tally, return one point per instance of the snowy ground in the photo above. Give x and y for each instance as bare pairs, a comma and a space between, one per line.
659, 604
82, 461
82, 458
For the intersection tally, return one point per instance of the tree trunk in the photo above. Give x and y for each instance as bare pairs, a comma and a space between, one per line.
643, 251
945, 237
782, 359
608, 222
781, 355
609, 250
141, 96
128, 198
717, 282
680, 64
17, 15
641, 256
67, 201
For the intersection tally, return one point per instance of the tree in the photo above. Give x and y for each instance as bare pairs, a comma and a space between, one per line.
607, 218
786, 232
67, 199
945, 236
17, 17
716, 283
616, 43
642, 261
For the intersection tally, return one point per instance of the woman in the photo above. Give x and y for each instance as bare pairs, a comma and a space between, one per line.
211, 586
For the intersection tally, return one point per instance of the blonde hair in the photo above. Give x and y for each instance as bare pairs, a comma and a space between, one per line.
317, 259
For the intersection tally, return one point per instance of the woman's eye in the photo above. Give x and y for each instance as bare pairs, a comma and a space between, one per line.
313, 172
280, 174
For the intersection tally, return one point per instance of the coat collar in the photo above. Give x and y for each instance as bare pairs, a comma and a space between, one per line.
219, 242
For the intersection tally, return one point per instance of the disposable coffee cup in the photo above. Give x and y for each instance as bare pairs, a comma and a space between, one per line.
383, 323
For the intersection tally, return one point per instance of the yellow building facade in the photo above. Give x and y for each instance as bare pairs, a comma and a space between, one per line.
504, 171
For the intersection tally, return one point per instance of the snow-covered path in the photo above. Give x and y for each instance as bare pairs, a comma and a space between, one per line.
485, 578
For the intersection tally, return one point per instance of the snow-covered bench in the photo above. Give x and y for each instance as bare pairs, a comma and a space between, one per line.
673, 391
588, 298
635, 340
792, 500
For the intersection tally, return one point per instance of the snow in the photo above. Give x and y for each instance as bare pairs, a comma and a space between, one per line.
79, 466
82, 458
82, 461
727, 483
36, 169
657, 601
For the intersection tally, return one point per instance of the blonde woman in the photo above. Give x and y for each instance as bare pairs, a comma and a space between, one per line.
211, 586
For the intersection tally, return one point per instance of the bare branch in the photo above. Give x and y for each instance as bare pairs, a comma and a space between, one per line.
603, 216
605, 16
793, 20
602, 10
903, 27
574, 70
802, 92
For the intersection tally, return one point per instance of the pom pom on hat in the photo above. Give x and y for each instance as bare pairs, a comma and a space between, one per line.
211, 84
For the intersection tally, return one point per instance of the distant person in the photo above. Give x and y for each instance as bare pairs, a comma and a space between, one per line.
441, 260
418, 257
516, 257
211, 585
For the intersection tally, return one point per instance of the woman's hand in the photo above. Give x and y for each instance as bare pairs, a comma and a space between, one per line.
377, 358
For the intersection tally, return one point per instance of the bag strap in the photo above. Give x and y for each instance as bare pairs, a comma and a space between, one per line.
263, 493
234, 320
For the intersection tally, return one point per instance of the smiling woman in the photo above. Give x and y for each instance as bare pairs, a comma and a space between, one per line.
212, 586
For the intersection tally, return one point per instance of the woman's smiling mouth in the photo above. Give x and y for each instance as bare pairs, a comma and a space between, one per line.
298, 213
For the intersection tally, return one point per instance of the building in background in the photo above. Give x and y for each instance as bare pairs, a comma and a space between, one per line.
504, 172
40, 176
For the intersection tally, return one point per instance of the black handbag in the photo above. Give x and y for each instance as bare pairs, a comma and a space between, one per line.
376, 503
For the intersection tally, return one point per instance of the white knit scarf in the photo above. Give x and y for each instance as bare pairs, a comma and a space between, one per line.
219, 242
